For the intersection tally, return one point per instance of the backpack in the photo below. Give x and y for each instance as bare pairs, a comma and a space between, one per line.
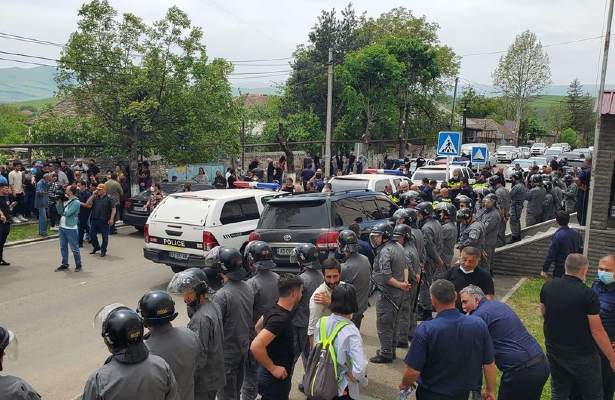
321, 375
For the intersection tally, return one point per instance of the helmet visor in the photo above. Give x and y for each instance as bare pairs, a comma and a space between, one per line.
11, 351
101, 316
211, 258
375, 239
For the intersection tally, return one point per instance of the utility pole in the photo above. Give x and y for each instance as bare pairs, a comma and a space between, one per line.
592, 183
327, 157
454, 100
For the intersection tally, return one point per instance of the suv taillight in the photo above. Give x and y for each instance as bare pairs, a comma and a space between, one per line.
209, 241
254, 236
146, 233
327, 240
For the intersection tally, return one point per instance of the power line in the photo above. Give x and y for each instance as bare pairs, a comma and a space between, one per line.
545, 45
26, 39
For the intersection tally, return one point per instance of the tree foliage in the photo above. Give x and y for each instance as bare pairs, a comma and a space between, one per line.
580, 108
569, 136
13, 128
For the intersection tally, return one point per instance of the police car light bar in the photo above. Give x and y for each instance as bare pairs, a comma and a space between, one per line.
383, 171
256, 185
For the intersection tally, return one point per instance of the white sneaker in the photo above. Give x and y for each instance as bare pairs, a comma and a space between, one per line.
54, 228
21, 218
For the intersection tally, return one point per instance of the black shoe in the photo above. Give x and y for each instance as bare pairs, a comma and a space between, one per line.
103, 253
301, 388
62, 268
402, 345
94, 251
2, 262
380, 359
78, 268
514, 239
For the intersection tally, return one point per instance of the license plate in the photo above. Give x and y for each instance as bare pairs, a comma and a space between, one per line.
178, 256
141, 209
285, 251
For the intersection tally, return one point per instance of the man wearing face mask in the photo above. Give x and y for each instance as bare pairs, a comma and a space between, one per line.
206, 322
388, 273
12, 387
604, 287
356, 270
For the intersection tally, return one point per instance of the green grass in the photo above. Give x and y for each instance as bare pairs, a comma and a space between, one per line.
526, 303
21, 232
38, 103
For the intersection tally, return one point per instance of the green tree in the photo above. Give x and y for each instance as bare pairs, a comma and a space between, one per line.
522, 72
569, 136
580, 108
151, 85
13, 127
478, 105
533, 128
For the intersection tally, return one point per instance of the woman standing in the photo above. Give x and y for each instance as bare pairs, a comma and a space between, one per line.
201, 177
156, 196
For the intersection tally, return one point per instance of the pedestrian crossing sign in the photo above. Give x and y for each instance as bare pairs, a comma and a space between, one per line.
479, 155
449, 143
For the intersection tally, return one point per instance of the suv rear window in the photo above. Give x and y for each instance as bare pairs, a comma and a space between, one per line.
295, 215
239, 210
338, 185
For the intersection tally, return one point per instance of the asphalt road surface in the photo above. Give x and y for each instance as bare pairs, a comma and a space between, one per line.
52, 312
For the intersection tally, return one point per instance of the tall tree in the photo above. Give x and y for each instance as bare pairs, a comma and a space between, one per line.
581, 115
152, 85
523, 72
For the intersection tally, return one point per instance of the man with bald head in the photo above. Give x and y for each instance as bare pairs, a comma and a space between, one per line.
604, 287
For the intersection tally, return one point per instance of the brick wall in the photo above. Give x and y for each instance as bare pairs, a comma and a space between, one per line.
603, 173
601, 243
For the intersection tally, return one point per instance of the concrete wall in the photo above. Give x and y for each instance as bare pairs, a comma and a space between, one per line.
604, 159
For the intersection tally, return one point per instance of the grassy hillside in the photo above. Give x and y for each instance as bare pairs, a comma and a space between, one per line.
37, 104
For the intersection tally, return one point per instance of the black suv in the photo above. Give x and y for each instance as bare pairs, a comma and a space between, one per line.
317, 218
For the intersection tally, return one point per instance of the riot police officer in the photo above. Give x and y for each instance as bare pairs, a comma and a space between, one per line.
462, 201
410, 199
206, 323
178, 346
402, 234
473, 233
12, 387
236, 301
418, 239
432, 231
447, 213
400, 216
548, 206
306, 255
131, 372
388, 273
264, 284
535, 199
356, 270
492, 221
517, 197
570, 195
503, 206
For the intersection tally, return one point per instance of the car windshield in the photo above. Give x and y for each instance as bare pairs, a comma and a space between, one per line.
553, 152
341, 184
538, 161
437, 174
295, 215
522, 163
538, 145
572, 154
506, 148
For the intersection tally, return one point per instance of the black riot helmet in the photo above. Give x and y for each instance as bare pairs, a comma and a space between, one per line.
548, 185
157, 308
537, 179
231, 263
260, 255
464, 214
400, 216
380, 229
410, 197
306, 255
348, 241
186, 280
517, 176
447, 208
568, 179
463, 199
412, 217
425, 208
494, 180
402, 231
122, 330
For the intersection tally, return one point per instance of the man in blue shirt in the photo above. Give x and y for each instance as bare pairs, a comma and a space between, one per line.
564, 241
604, 287
41, 203
449, 352
517, 354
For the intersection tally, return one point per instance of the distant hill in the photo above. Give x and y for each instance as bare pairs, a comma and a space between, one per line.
552, 90
22, 84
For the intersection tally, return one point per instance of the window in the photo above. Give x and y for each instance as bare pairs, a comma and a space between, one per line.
379, 187
396, 182
294, 215
370, 210
386, 208
346, 212
239, 210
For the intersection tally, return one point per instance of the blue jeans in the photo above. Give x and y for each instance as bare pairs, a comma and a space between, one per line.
99, 226
42, 221
69, 237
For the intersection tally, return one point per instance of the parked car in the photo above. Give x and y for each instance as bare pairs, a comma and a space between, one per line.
371, 182
585, 152
506, 153
317, 218
523, 152
564, 146
552, 153
525, 165
438, 173
540, 161
538, 149
185, 226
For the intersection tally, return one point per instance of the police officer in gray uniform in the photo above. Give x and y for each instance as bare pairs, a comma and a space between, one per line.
492, 221
549, 206
236, 301
503, 206
178, 346
131, 372
517, 197
264, 284
206, 323
402, 234
535, 198
12, 387
473, 234
418, 239
306, 255
432, 231
447, 213
388, 273
570, 195
356, 270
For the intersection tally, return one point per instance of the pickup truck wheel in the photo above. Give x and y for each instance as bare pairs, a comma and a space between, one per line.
176, 269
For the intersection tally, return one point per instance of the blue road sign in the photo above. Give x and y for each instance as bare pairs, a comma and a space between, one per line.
479, 155
449, 143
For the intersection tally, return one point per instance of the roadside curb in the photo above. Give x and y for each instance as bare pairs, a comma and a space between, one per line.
43, 239
512, 290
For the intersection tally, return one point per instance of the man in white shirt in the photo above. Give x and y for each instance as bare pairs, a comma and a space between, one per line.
321, 298
17, 189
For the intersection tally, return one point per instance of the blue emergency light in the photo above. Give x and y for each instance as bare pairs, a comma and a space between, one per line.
383, 171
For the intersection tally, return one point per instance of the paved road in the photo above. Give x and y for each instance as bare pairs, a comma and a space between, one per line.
52, 313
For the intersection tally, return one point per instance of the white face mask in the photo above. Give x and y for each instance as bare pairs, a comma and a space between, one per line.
464, 271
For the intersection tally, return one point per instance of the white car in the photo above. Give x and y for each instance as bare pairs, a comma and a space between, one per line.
185, 226
524, 152
438, 173
564, 146
506, 153
538, 149
525, 165
552, 153
371, 182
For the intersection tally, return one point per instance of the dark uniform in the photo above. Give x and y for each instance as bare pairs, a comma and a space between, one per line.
432, 230
5, 227
504, 202
535, 200
407, 316
517, 197
449, 239
13, 388
492, 221
472, 235
356, 270
570, 198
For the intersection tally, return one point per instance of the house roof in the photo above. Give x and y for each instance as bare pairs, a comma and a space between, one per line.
489, 125
252, 100
608, 103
